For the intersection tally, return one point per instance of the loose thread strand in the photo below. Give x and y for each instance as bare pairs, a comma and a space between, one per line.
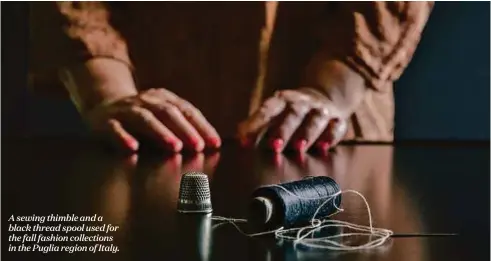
305, 235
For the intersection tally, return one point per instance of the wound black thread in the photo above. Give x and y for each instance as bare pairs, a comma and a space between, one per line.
272, 206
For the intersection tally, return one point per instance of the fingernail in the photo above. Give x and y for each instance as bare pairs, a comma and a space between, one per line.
324, 145
214, 142
178, 146
277, 145
197, 144
134, 145
131, 143
175, 145
300, 145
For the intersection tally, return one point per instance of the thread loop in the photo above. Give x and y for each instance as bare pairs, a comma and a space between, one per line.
319, 220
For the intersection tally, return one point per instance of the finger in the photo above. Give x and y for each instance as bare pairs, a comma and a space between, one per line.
198, 120
120, 137
340, 130
167, 105
249, 129
310, 130
293, 96
283, 129
325, 140
332, 134
177, 123
191, 113
145, 123
161, 94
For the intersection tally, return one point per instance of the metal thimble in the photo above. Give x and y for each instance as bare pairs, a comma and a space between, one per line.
194, 194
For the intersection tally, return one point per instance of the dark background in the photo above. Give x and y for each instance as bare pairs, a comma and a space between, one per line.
443, 95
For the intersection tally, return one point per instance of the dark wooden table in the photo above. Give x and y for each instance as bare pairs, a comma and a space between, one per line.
412, 189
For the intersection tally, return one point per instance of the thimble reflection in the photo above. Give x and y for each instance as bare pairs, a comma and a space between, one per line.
195, 235
194, 194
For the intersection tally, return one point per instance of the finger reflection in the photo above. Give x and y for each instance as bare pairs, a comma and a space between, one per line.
110, 186
211, 163
277, 168
157, 227
116, 192
163, 176
194, 163
101, 184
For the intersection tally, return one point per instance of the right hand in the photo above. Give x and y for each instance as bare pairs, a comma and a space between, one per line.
157, 115
298, 119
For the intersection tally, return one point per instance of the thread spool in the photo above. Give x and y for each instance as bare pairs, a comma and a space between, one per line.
294, 203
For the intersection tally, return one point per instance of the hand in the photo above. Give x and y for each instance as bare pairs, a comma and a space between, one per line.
299, 119
157, 115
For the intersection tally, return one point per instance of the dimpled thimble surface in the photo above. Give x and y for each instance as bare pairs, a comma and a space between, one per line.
194, 194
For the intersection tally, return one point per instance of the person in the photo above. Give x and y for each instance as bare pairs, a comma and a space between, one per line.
188, 75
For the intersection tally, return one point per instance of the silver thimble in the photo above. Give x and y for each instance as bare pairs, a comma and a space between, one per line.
194, 194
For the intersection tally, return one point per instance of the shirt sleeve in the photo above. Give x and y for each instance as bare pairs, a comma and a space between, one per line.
375, 39
66, 33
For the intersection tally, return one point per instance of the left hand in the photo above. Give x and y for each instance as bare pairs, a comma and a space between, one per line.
296, 119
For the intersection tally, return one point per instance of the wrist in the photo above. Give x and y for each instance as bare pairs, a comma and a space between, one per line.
98, 81
341, 85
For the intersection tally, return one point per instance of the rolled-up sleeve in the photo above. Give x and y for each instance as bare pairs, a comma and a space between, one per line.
66, 33
375, 39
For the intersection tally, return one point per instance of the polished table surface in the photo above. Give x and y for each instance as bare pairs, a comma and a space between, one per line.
417, 189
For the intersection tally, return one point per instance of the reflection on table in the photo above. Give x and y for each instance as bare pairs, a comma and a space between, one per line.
410, 189
139, 193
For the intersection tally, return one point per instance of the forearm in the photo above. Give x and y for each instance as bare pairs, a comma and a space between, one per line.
99, 80
365, 45
87, 51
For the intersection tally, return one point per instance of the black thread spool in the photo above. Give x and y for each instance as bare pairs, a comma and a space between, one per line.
272, 206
